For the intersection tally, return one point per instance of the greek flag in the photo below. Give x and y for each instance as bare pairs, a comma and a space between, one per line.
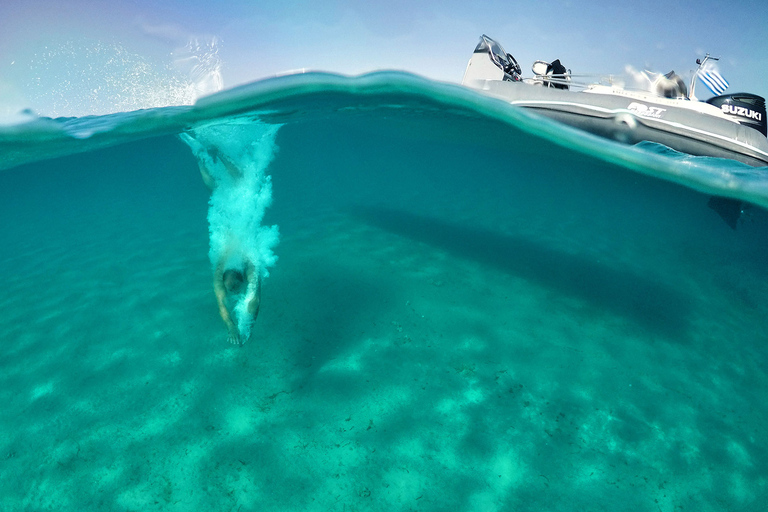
714, 81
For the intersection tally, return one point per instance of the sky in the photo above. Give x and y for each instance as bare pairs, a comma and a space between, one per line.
44, 42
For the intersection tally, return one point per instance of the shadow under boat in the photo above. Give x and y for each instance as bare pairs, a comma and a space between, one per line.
653, 305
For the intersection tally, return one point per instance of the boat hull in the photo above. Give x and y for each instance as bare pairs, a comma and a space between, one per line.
632, 118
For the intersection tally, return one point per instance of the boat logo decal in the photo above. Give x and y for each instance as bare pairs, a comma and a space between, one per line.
646, 111
741, 111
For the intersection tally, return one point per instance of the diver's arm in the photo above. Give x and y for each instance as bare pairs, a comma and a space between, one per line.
221, 298
255, 302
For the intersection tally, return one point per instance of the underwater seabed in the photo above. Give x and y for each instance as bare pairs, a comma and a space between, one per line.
463, 316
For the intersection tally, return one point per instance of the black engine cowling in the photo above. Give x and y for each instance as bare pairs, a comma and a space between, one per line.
747, 109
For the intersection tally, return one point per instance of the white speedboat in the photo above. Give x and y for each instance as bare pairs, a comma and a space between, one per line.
726, 126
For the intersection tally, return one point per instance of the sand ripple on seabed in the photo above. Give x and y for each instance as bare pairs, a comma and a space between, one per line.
415, 374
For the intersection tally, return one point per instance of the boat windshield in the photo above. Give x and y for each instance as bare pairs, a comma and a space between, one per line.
494, 49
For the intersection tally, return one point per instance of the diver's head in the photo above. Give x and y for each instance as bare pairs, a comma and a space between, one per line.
233, 281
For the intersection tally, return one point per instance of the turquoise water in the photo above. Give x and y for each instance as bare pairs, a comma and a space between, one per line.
471, 309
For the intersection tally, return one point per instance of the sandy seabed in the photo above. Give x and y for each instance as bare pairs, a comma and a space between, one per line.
427, 366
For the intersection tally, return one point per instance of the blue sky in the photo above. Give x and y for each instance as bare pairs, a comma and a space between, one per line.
257, 39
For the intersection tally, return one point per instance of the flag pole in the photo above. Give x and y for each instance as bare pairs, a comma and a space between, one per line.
701, 63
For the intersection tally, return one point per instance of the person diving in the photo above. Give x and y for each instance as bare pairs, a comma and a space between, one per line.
237, 272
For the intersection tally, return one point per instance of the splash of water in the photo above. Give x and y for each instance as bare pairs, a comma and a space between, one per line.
78, 78
199, 61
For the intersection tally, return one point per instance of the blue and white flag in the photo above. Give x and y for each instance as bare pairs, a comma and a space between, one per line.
714, 81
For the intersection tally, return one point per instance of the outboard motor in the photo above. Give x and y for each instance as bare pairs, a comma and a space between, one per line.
747, 109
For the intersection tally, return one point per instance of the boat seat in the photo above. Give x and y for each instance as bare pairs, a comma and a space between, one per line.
671, 86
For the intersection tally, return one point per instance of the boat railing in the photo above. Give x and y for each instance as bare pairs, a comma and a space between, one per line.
582, 82
578, 82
